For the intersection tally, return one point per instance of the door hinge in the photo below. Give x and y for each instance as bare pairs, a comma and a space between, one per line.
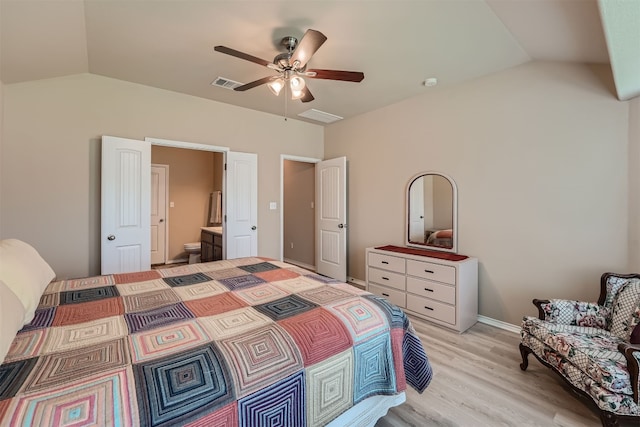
225, 166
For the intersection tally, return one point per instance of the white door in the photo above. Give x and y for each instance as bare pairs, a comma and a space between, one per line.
159, 187
416, 211
241, 200
125, 234
331, 218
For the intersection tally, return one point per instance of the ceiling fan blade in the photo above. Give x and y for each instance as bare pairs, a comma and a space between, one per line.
310, 43
306, 95
255, 83
347, 76
241, 55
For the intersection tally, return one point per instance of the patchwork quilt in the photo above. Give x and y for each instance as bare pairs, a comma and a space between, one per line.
245, 342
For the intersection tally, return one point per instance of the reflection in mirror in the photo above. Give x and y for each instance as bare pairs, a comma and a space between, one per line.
432, 212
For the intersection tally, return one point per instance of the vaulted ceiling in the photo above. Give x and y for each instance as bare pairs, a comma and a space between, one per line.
397, 44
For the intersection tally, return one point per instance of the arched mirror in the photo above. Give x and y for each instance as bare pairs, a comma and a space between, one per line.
432, 212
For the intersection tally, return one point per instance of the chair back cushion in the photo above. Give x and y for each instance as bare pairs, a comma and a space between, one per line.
626, 310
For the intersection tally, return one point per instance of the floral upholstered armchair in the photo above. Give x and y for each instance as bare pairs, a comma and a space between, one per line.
595, 347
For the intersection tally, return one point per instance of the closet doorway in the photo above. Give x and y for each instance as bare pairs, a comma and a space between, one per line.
313, 214
298, 211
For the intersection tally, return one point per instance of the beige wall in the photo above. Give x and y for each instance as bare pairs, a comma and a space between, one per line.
540, 157
191, 181
299, 216
51, 156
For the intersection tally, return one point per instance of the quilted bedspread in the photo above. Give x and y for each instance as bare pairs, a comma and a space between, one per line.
246, 342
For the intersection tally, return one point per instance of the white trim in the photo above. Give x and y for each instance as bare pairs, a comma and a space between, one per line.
176, 261
357, 282
184, 144
499, 324
284, 157
300, 264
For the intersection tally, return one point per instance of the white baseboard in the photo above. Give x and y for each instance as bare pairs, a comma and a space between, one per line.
176, 261
300, 264
357, 282
499, 324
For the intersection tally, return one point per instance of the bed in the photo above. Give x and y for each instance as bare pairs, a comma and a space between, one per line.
244, 342
441, 238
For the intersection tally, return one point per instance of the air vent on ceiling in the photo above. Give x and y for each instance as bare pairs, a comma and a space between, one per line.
225, 83
320, 116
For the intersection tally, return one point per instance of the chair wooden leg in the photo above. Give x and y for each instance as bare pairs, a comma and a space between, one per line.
608, 419
524, 352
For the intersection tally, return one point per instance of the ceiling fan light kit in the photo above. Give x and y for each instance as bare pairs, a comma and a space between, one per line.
291, 67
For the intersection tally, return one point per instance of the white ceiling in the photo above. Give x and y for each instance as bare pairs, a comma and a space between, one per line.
397, 44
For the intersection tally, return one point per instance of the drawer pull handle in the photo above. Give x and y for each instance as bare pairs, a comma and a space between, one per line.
429, 271
385, 262
428, 308
385, 278
428, 290
385, 295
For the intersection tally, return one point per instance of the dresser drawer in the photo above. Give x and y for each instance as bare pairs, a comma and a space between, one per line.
434, 309
387, 278
431, 271
433, 290
387, 262
394, 296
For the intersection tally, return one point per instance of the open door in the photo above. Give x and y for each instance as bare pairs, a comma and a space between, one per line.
331, 218
126, 220
241, 200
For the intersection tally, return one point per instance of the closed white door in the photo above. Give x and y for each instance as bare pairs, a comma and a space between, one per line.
159, 218
241, 200
125, 230
331, 218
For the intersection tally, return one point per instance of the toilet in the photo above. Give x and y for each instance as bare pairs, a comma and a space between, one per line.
193, 249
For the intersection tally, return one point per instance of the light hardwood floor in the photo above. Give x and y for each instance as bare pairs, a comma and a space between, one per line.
478, 382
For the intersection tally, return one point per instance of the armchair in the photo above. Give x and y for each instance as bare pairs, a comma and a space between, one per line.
595, 347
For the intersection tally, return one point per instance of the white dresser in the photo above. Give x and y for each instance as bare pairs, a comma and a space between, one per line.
439, 290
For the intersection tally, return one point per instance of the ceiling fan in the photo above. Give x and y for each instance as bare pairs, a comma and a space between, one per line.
292, 66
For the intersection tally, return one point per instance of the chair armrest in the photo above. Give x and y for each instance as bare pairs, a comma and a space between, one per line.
632, 354
571, 312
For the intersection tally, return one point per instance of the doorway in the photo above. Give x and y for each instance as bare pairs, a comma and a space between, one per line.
298, 211
326, 200
195, 175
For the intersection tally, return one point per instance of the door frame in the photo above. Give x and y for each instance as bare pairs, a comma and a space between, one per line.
166, 207
284, 157
197, 147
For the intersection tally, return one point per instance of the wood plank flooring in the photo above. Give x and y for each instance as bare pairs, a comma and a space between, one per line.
478, 382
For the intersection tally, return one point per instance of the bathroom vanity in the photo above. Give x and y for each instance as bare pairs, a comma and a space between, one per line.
211, 244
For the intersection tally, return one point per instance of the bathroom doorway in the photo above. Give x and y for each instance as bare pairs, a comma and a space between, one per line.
195, 175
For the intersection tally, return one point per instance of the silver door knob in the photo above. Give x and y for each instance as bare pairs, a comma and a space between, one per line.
254, 228
111, 237
342, 225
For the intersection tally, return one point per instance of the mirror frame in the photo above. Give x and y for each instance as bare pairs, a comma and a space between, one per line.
454, 226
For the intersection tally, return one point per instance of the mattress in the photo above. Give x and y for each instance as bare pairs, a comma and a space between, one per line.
244, 342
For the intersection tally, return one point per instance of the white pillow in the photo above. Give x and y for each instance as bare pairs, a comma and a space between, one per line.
24, 271
11, 318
